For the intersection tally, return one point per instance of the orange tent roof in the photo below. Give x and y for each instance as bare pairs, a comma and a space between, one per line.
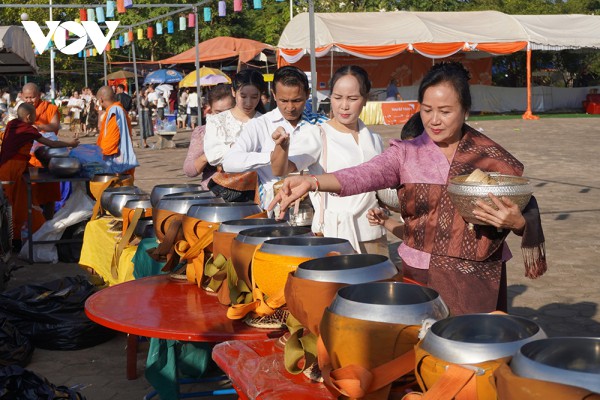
221, 48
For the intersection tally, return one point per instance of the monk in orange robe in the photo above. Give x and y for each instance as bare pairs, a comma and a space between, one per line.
115, 138
18, 138
47, 120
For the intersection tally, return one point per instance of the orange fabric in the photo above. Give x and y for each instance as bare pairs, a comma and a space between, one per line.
44, 113
110, 136
270, 271
128, 215
501, 48
408, 68
16, 193
375, 51
198, 235
514, 387
220, 48
361, 358
305, 306
438, 49
222, 243
430, 370
529, 113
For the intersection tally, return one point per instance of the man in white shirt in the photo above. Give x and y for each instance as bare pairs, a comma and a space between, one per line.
254, 147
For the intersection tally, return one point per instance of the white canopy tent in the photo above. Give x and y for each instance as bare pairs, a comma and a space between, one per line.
382, 35
16, 52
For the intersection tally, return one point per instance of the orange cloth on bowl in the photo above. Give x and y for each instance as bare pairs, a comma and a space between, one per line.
360, 359
514, 387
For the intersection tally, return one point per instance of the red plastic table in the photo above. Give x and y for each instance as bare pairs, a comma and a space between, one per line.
161, 308
256, 371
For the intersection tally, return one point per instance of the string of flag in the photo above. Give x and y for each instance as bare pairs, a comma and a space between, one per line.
100, 14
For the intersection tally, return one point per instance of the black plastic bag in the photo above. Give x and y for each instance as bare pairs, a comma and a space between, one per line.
52, 315
17, 383
71, 252
15, 348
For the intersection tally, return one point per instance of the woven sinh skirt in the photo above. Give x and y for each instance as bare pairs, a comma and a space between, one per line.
146, 127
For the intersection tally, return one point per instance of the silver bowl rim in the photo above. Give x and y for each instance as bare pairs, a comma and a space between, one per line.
524, 366
380, 268
406, 314
475, 352
238, 225
252, 235
296, 248
202, 211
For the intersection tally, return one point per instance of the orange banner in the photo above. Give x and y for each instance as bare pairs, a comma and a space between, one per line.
407, 68
398, 112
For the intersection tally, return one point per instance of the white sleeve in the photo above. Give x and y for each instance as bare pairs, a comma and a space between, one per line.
245, 154
214, 145
305, 147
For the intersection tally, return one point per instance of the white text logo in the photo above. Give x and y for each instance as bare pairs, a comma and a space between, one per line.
83, 30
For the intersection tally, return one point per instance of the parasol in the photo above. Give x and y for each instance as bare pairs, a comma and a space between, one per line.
208, 77
163, 76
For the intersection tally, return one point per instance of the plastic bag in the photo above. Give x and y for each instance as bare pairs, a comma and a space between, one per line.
15, 348
52, 315
17, 383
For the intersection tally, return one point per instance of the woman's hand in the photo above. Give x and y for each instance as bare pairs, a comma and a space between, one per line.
293, 188
377, 216
507, 216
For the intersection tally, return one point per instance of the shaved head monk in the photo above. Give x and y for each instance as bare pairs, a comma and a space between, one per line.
115, 134
47, 121
19, 136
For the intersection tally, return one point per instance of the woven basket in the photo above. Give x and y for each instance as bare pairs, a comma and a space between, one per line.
465, 194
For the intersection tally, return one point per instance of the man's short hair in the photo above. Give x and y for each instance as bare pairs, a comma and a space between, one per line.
121, 86
290, 76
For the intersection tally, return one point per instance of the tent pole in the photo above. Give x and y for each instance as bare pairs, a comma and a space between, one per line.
105, 79
528, 113
85, 67
313, 55
52, 81
198, 88
137, 95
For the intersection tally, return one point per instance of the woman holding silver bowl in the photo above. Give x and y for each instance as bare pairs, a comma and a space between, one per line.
466, 265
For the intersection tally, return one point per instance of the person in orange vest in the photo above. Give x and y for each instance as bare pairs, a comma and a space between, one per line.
48, 123
115, 134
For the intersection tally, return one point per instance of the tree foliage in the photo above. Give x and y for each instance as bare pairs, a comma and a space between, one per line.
266, 25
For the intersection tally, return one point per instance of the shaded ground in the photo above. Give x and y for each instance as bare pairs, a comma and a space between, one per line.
561, 159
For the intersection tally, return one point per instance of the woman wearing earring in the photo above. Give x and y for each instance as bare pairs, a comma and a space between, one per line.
222, 130
346, 142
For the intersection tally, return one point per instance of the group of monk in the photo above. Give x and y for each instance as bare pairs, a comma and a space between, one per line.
39, 121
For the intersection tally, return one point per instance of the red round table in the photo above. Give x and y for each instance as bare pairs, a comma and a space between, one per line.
162, 308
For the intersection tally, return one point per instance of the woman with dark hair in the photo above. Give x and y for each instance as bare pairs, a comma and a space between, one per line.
146, 126
222, 131
219, 100
346, 142
465, 264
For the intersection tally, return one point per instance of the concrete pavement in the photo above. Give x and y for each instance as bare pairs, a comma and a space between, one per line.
561, 160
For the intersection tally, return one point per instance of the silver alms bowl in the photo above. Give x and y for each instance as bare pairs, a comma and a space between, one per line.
464, 194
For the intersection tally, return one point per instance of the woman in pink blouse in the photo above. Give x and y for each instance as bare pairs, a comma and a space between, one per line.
466, 266
219, 99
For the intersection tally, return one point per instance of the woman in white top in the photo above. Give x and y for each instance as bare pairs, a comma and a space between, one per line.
348, 142
222, 130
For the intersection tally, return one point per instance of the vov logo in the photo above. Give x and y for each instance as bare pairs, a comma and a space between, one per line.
83, 30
